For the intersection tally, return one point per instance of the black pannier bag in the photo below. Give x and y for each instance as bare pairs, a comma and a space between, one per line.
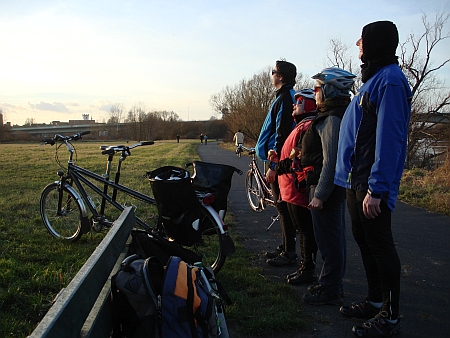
178, 206
215, 178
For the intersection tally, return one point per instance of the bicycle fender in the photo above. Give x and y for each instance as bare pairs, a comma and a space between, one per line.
85, 223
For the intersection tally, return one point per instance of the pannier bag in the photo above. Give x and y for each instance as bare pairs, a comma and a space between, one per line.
178, 206
215, 178
178, 301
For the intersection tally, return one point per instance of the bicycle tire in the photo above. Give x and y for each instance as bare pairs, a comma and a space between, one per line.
253, 191
65, 223
210, 247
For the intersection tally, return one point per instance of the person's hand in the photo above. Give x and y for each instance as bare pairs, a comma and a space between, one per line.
272, 156
316, 204
371, 206
270, 176
295, 152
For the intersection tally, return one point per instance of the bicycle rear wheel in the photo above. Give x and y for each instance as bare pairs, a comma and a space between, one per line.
210, 247
253, 191
63, 222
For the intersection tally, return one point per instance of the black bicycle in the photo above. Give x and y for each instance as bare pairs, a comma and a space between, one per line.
69, 209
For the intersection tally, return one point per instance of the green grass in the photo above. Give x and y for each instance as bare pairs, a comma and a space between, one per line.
34, 266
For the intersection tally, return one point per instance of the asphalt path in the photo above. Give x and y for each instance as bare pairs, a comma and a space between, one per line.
423, 244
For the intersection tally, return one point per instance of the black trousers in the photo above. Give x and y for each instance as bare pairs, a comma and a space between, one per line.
288, 233
378, 253
302, 221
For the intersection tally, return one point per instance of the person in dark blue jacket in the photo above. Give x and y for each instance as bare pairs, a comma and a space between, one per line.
370, 161
276, 128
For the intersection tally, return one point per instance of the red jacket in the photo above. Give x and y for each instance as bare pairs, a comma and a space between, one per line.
288, 190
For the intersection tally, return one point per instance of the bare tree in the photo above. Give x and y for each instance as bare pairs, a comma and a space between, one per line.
430, 95
342, 55
115, 115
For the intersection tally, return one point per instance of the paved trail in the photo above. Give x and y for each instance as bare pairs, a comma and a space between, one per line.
423, 243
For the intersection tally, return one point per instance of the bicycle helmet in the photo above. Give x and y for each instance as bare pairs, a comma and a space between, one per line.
306, 92
172, 175
308, 102
335, 81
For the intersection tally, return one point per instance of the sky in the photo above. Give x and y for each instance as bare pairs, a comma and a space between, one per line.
60, 59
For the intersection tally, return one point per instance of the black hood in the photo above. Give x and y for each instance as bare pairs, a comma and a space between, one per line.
380, 40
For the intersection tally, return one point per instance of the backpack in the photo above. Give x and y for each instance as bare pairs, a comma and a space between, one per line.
151, 301
136, 297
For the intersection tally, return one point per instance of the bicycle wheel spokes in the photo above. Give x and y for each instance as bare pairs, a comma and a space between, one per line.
63, 222
253, 190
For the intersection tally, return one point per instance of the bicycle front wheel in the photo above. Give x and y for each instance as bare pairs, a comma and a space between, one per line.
253, 191
210, 247
62, 220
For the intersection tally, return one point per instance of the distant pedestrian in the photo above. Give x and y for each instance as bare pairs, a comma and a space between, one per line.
201, 138
238, 138
178, 138
370, 160
206, 139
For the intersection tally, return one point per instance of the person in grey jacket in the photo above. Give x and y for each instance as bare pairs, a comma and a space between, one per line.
327, 201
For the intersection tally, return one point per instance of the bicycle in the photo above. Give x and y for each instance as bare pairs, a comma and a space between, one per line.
65, 204
239, 150
258, 191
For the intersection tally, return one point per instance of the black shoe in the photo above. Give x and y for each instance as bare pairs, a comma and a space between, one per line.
313, 288
316, 286
360, 310
322, 297
303, 277
276, 253
283, 259
377, 327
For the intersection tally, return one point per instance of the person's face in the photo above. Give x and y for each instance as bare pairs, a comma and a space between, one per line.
276, 78
297, 107
318, 93
359, 43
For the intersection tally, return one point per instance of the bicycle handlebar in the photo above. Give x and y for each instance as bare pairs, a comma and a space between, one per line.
108, 150
251, 151
61, 138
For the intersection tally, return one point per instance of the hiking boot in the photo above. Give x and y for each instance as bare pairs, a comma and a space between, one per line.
283, 259
313, 288
322, 297
302, 277
274, 254
362, 309
377, 327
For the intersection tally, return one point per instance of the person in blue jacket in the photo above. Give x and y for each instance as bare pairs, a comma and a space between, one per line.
276, 128
370, 161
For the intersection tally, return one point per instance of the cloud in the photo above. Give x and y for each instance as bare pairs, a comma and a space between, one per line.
106, 107
55, 106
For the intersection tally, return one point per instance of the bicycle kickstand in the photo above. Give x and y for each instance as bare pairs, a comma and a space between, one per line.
274, 219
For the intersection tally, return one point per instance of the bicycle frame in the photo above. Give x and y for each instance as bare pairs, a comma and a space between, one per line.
262, 183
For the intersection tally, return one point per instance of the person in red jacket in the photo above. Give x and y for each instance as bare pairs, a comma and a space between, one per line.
291, 179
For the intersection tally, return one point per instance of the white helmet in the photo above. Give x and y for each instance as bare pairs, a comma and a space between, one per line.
335, 81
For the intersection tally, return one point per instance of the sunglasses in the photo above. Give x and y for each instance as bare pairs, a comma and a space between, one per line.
275, 72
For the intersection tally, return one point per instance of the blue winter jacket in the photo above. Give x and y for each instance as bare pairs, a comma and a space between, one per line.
373, 136
278, 123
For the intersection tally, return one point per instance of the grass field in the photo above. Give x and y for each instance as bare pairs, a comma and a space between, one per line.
34, 266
